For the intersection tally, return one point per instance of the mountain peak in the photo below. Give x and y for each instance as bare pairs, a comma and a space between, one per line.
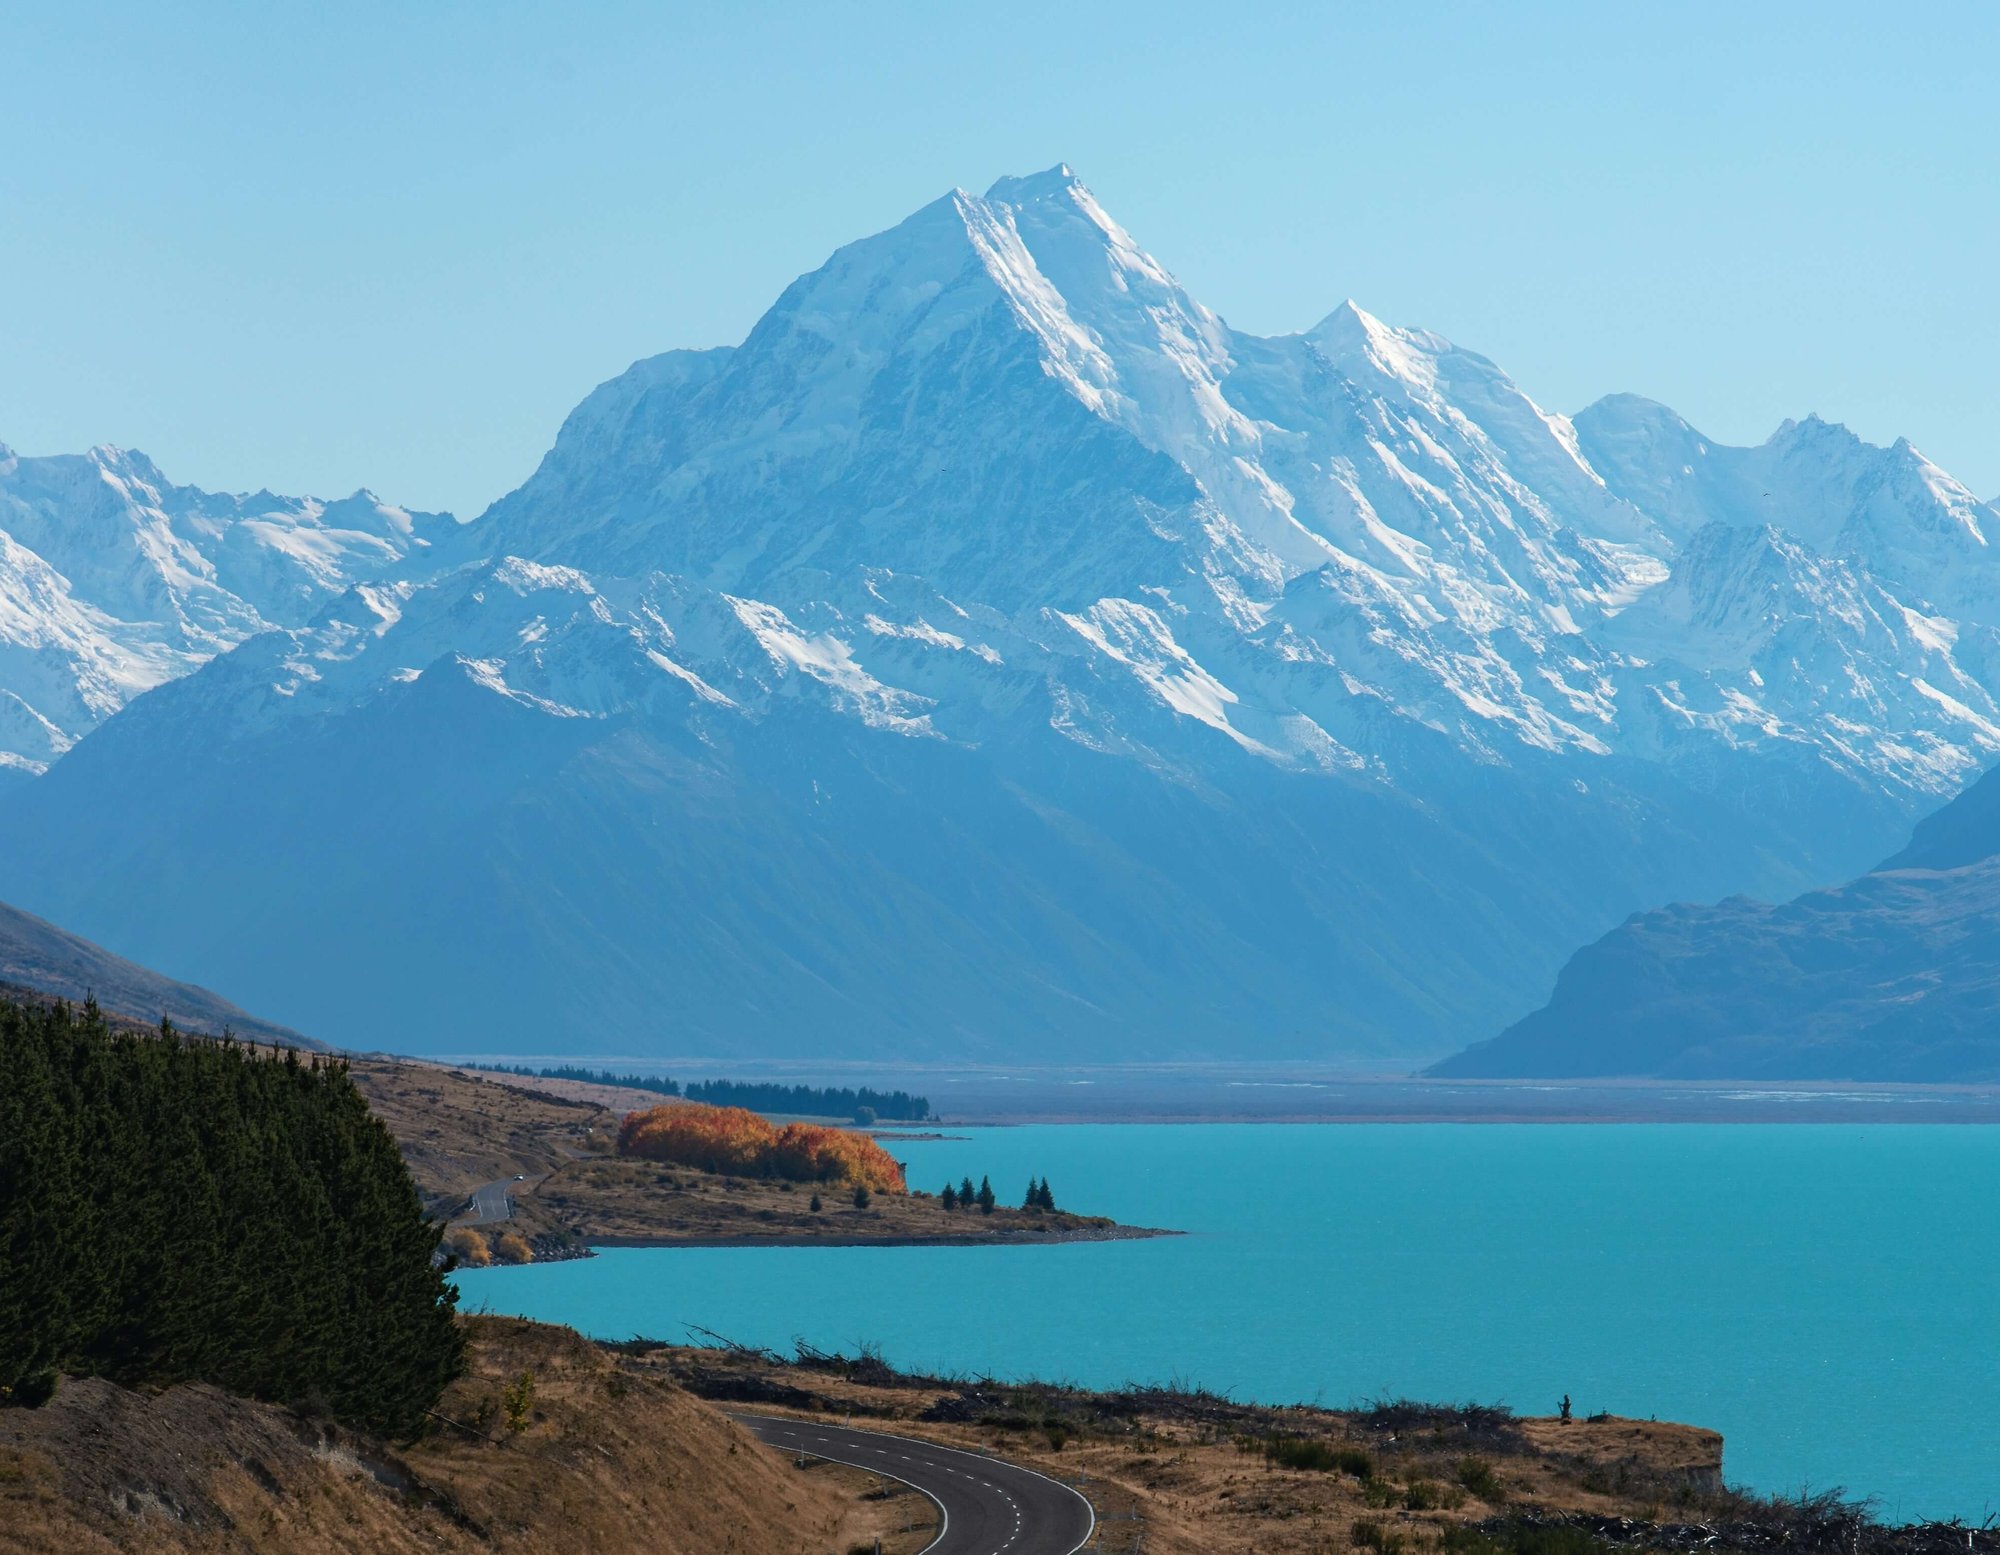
1813, 428
1352, 326
1350, 336
1349, 318
1626, 405
129, 464
1051, 183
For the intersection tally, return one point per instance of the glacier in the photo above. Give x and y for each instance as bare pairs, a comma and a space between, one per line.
995, 655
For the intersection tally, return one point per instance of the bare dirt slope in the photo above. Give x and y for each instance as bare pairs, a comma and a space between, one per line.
614, 1099
610, 1460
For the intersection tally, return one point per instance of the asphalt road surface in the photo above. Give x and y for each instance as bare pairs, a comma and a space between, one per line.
989, 1507
490, 1202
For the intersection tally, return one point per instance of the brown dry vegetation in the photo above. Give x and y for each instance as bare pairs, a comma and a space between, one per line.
619, 1201
459, 1129
1184, 1473
611, 1457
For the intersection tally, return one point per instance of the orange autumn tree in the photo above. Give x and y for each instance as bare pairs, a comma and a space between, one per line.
716, 1139
733, 1139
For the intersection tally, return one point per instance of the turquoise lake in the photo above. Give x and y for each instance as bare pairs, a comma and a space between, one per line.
1826, 1296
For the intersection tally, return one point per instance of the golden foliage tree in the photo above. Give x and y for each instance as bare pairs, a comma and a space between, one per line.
732, 1139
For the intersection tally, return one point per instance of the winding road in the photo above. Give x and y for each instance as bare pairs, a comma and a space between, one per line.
988, 1507
490, 1202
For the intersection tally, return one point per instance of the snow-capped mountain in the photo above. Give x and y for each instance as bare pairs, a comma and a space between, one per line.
1007, 399
113, 579
998, 653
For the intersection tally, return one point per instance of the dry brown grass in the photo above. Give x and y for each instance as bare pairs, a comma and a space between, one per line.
611, 1458
904, 1520
1189, 1474
630, 1201
459, 1129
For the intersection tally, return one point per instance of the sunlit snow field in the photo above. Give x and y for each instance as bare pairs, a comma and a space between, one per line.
1827, 1296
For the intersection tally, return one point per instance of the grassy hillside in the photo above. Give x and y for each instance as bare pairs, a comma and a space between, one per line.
609, 1459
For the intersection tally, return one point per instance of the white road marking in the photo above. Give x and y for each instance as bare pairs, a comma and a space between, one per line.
944, 1527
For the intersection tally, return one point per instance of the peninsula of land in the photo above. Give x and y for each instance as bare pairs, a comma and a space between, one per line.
526, 1167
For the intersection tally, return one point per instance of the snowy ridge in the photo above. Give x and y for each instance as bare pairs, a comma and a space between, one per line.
1355, 519
1013, 410
113, 580
1008, 408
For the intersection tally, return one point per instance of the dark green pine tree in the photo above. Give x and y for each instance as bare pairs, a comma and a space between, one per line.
398, 1345
987, 1197
966, 1194
949, 1198
190, 1311
174, 1210
40, 1206
1047, 1199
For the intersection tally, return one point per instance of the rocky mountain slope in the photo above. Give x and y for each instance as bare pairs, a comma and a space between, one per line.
998, 655
1894, 976
40, 958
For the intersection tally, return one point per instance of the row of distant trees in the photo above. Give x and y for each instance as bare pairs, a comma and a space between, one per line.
658, 1084
176, 1210
813, 1101
983, 1198
865, 1104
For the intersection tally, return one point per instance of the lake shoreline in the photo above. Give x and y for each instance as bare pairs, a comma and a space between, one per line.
1781, 1285
1111, 1233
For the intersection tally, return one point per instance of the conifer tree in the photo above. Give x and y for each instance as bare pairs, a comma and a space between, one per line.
175, 1210
987, 1197
949, 1198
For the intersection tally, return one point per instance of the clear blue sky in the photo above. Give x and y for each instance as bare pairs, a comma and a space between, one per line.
320, 247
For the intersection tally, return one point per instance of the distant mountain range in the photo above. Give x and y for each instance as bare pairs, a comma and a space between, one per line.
994, 656
1891, 976
113, 580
